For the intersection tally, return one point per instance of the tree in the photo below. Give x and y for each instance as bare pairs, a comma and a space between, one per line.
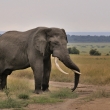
69, 50
94, 52
73, 50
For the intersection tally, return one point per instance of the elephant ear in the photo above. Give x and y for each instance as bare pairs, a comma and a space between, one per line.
40, 40
65, 34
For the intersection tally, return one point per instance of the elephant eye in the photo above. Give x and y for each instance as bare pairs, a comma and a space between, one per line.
56, 43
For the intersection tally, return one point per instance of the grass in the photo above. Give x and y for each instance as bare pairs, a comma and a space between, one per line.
18, 84
10, 103
55, 97
48, 98
95, 70
97, 94
84, 48
23, 96
26, 73
63, 94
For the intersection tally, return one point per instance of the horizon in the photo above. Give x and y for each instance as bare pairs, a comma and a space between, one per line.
81, 33
89, 33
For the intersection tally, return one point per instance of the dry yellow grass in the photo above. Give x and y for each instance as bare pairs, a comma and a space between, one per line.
19, 84
94, 69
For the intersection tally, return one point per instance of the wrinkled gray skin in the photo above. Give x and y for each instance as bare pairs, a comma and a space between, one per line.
33, 48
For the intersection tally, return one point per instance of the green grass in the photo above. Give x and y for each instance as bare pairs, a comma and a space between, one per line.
10, 99
84, 48
56, 96
63, 94
23, 96
48, 98
10, 103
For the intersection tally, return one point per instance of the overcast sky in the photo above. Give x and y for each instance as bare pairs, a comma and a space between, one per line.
72, 15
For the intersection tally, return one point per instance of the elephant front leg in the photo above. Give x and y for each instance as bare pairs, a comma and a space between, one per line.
4, 81
46, 74
38, 72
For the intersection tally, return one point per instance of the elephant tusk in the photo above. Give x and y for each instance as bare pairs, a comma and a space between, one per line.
57, 65
76, 72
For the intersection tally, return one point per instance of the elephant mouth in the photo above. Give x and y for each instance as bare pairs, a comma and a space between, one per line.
60, 69
57, 65
56, 58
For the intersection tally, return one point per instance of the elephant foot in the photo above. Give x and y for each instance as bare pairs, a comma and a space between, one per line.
45, 87
47, 90
38, 91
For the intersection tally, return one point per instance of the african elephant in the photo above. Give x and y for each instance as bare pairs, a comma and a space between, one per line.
33, 48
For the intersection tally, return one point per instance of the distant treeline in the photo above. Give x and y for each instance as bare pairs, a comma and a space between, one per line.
88, 38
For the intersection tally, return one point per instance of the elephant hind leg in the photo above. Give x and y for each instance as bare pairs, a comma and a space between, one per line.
0, 83
3, 78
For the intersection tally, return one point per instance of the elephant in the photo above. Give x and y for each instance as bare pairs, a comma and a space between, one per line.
33, 48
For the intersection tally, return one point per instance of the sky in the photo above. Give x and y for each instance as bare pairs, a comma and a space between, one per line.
71, 15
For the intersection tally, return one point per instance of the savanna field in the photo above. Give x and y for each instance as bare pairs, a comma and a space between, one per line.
95, 71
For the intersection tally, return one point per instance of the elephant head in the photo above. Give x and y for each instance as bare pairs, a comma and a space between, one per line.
54, 41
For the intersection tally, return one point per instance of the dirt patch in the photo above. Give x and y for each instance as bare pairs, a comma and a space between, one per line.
78, 103
74, 104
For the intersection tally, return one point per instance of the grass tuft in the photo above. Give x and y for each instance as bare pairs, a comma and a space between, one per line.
23, 96
63, 94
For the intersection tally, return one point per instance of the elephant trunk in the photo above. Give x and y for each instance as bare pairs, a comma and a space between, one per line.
68, 63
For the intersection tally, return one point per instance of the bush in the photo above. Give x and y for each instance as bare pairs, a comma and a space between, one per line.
107, 54
73, 50
94, 52
23, 96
